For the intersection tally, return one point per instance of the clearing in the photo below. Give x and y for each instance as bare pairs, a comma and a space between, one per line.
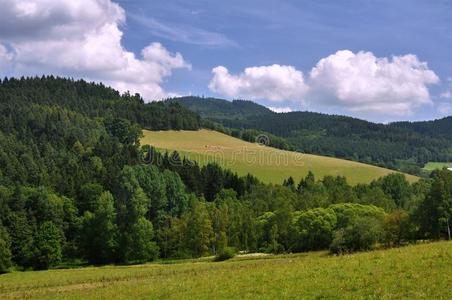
268, 164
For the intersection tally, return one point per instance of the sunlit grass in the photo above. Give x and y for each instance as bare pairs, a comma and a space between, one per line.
268, 164
437, 165
414, 272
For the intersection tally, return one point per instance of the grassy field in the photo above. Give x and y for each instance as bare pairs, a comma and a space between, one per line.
436, 165
268, 164
414, 272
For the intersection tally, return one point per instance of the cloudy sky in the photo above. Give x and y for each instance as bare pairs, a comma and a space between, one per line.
378, 60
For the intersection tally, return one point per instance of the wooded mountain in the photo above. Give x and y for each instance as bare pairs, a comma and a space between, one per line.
403, 145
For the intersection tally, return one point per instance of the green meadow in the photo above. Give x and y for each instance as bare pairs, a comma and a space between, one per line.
437, 165
268, 164
420, 271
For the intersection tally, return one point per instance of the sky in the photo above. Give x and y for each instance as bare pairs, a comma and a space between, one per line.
377, 60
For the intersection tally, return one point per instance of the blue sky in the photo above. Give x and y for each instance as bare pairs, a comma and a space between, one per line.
266, 51
298, 33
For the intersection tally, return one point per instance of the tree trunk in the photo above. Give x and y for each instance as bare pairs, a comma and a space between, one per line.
448, 227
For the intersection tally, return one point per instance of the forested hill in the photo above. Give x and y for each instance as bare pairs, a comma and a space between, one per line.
438, 128
404, 145
95, 100
219, 109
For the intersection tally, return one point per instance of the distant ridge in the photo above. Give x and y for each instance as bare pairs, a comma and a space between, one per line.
214, 108
404, 146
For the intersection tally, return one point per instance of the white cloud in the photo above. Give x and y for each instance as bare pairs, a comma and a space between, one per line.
183, 33
280, 109
446, 94
275, 83
5, 58
362, 82
356, 82
82, 39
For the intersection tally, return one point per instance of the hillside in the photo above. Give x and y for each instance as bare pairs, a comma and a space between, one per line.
405, 146
413, 272
94, 101
268, 164
219, 109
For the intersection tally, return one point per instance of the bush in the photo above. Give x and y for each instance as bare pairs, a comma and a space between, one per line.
313, 229
227, 253
361, 234
398, 228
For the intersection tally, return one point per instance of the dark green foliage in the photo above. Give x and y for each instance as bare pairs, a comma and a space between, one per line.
123, 130
48, 246
96, 100
397, 187
140, 245
88, 196
435, 211
204, 181
398, 228
221, 109
360, 234
313, 229
21, 233
199, 234
99, 233
136, 232
374, 195
225, 254
348, 212
5, 251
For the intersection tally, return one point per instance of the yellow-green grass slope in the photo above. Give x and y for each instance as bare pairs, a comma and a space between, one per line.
268, 164
413, 272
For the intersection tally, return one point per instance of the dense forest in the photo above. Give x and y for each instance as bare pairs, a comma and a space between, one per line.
405, 146
76, 187
96, 100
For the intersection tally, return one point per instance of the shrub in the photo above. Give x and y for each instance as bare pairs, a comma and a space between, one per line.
362, 233
227, 253
313, 229
397, 228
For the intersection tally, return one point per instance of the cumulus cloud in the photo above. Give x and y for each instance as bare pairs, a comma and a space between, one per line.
275, 83
280, 109
357, 82
362, 82
81, 39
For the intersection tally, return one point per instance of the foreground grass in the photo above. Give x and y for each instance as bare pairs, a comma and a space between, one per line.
437, 165
268, 164
412, 272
